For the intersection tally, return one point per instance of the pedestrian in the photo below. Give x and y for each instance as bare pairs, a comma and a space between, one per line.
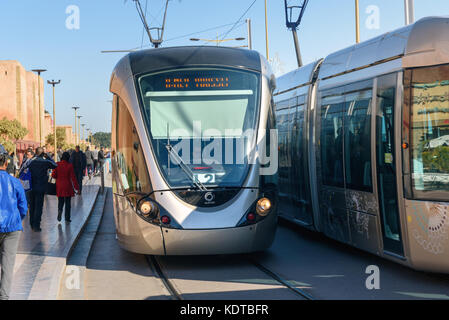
101, 158
65, 183
59, 153
23, 169
39, 167
13, 209
89, 162
95, 155
78, 160
11, 168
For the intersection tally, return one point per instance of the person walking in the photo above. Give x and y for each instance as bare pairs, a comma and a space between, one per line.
89, 162
78, 160
23, 169
65, 183
39, 167
13, 209
95, 155
101, 159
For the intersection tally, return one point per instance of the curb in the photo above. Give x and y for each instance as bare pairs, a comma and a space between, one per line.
80, 252
46, 287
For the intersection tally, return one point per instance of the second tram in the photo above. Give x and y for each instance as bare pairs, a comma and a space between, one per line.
364, 145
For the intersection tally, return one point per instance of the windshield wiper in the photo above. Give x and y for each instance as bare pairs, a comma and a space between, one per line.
182, 164
185, 168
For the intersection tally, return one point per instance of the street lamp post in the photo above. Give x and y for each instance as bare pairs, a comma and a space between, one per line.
357, 21
79, 130
53, 83
409, 11
266, 30
39, 71
75, 108
291, 12
83, 125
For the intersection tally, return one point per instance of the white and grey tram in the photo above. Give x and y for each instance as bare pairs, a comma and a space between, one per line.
364, 145
188, 133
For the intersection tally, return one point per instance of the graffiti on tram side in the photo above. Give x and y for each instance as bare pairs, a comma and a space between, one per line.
431, 226
361, 202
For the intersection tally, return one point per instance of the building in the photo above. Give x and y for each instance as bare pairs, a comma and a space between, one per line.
69, 136
20, 92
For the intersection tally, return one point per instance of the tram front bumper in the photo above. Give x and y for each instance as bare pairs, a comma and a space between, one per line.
256, 237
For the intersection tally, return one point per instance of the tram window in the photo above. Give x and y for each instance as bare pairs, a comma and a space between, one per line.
282, 126
357, 143
429, 92
132, 169
332, 108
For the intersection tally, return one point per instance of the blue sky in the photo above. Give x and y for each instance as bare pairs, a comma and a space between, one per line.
35, 33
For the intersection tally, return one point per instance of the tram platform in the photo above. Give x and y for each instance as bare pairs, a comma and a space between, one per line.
42, 256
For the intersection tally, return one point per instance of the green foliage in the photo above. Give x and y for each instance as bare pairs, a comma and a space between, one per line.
102, 139
10, 131
60, 138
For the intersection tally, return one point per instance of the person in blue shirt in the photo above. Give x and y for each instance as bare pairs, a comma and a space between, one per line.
13, 209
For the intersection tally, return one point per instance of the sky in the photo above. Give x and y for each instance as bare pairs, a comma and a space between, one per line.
36, 33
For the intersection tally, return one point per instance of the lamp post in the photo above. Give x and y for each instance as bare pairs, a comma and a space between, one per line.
54, 83
266, 30
39, 71
79, 130
217, 41
250, 42
83, 125
357, 22
75, 108
293, 17
409, 11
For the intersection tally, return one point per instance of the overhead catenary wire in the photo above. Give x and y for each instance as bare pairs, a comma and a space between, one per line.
239, 19
143, 28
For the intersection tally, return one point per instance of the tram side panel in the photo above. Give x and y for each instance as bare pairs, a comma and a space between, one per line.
426, 165
130, 175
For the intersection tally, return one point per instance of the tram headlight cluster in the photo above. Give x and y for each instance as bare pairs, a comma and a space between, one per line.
263, 206
148, 209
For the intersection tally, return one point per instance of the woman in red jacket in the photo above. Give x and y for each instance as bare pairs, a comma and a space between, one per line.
65, 183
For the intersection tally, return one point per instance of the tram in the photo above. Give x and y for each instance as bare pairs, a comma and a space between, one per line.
188, 132
364, 145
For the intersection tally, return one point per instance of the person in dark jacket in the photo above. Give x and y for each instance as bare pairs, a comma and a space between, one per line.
89, 162
78, 160
39, 167
65, 183
13, 209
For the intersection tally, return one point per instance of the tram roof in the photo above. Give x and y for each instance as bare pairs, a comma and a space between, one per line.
151, 60
417, 44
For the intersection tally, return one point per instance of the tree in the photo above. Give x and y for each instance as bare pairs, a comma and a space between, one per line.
103, 139
10, 132
60, 138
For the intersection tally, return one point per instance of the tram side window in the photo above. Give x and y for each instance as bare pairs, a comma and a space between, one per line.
132, 169
357, 143
429, 92
332, 108
282, 126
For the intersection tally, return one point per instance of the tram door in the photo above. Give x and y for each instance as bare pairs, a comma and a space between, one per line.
294, 194
386, 168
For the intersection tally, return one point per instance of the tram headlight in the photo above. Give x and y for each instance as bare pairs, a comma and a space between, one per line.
147, 209
263, 206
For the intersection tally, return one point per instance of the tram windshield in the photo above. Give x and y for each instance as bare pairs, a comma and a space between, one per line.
430, 130
202, 124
